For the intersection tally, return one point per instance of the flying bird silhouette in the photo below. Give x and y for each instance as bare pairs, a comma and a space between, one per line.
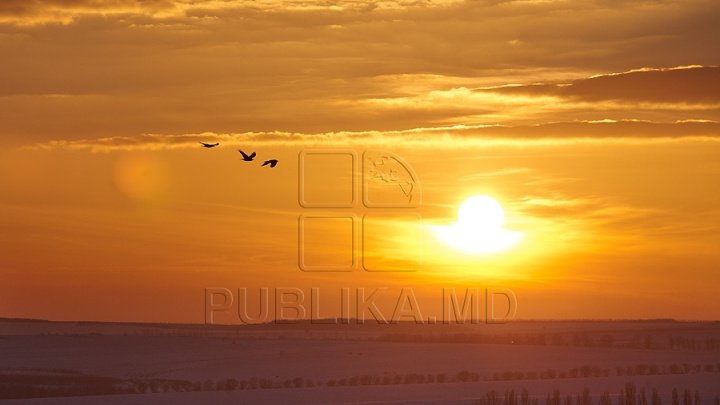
209, 145
246, 157
271, 162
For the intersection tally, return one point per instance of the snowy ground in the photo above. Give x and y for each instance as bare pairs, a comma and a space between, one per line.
277, 353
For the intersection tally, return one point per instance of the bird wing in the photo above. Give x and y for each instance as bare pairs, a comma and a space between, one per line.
252, 155
244, 155
203, 144
267, 162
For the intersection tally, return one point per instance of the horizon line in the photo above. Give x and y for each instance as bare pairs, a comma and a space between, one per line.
354, 321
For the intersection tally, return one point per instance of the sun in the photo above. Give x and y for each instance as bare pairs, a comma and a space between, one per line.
479, 228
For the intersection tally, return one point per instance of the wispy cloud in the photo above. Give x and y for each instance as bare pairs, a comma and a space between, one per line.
35, 12
438, 137
685, 84
554, 133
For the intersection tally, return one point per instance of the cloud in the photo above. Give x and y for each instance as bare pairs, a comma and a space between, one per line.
644, 94
32, 12
38, 12
437, 137
689, 85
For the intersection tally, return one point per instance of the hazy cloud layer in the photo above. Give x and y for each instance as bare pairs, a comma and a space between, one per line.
560, 132
88, 69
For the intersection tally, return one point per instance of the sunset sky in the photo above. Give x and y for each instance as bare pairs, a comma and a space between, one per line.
595, 124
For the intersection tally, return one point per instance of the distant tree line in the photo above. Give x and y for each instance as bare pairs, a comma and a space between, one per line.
628, 395
608, 340
563, 339
25, 385
620, 371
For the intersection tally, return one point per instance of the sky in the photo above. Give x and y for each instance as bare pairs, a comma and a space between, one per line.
594, 124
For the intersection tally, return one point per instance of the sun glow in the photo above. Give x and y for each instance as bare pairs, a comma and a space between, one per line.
479, 228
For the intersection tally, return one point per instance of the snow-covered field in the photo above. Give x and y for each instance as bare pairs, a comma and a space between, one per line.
327, 358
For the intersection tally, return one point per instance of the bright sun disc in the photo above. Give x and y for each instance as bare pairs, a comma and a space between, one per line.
481, 211
479, 228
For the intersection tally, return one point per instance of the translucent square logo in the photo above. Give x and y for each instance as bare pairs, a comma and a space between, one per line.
338, 230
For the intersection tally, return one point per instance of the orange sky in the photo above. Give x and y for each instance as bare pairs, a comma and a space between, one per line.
594, 123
